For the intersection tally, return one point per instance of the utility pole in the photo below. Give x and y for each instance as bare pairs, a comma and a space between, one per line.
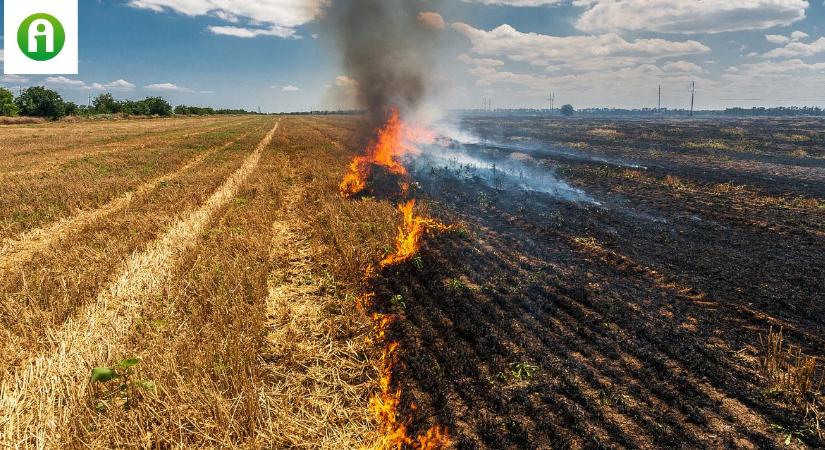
692, 96
90, 101
659, 109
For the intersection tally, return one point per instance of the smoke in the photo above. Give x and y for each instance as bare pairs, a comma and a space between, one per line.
387, 48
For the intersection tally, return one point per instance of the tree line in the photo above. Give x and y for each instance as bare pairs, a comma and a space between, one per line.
38, 101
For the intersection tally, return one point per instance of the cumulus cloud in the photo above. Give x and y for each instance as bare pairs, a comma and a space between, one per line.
780, 39
688, 16
118, 85
798, 49
65, 82
606, 51
682, 67
777, 39
61, 81
599, 70
13, 79
290, 88
266, 17
798, 35
767, 82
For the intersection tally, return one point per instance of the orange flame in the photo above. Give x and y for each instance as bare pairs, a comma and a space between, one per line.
394, 140
410, 233
384, 405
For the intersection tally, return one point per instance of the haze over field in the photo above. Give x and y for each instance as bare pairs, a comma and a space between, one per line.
590, 53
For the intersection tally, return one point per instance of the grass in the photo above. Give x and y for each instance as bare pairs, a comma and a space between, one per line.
228, 272
797, 378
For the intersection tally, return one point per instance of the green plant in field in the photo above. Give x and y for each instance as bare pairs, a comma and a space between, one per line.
790, 436
455, 284
118, 383
398, 301
518, 372
417, 262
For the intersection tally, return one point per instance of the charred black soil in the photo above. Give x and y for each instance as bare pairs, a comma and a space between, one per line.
629, 322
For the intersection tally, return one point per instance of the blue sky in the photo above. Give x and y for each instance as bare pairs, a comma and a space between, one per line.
277, 55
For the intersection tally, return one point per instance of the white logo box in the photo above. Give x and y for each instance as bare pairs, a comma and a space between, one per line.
15, 61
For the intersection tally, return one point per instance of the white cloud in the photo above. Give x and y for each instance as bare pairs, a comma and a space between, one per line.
777, 39
682, 67
1, 55
767, 82
780, 39
170, 87
480, 62
118, 85
606, 51
267, 17
290, 88
798, 49
689, 16
66, 82
248, 33
799, 35
13, 79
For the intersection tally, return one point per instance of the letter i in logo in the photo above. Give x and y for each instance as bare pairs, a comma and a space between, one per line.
41, 37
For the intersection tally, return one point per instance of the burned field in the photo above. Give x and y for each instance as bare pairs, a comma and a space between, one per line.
261, 282
615, 286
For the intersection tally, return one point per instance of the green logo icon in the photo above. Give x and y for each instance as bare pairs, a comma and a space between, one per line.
41, 37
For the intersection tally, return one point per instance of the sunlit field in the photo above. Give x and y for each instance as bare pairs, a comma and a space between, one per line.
251, 282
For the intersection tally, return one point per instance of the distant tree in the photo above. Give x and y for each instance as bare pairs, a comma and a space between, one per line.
106, 104
38, 101
157, 106
567, 110
135, 108
7, 106
71, 108
182, 110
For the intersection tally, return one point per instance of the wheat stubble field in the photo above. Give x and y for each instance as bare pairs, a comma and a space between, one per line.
204, 283
184, 282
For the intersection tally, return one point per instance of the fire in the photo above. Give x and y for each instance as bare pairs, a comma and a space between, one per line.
410, 233
384, 405
394, 140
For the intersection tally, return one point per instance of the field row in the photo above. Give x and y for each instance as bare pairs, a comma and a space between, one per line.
204, 284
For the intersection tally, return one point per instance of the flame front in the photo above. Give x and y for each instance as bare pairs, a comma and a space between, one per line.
394, 140
385, 404
410, 233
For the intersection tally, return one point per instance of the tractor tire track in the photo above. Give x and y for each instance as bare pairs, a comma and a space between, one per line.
315, 388
16, 251
36, 404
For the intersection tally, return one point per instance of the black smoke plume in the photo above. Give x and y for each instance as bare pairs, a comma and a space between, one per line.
387, 47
